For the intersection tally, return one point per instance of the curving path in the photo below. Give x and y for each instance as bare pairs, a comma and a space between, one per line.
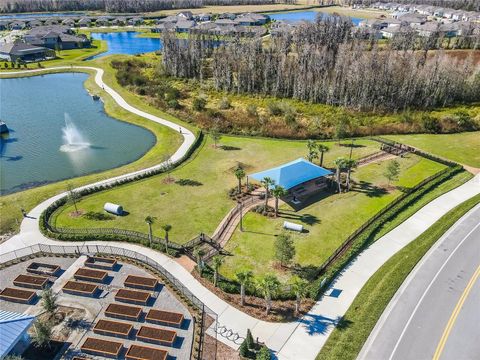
298, 340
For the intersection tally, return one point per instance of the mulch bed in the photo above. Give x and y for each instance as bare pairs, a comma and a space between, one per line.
102, 347
282, 311
161, 336
31, 281
17, 295
137, 352
141, 282
112, 328
123, 311
134, 296
77, 287
164, 318
90, 275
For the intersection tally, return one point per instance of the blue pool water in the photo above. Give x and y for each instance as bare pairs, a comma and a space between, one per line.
127, 43
37, 111
296, 16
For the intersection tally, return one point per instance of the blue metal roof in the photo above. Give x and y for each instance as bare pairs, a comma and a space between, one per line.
12, 327
293, 173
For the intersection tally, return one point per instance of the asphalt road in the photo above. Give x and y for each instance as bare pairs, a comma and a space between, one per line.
436, 312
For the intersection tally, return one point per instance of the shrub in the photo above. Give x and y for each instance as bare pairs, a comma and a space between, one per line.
224, 104
98, 216
243, 350
465, 121
252, 110
275, 108
430, 124
249, 340
199, 103
264, 354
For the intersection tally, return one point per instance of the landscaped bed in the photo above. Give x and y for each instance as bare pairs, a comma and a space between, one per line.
161, 317
112, 328
80, 288
133, 296
17, 295
99, 347
141, 282
90, 275
31, 281
157, 335
43, 269
100, 263
137, 352
125, 312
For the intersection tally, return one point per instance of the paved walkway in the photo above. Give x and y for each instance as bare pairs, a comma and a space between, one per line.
297, 340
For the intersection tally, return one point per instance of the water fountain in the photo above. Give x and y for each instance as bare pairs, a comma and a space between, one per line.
73, 139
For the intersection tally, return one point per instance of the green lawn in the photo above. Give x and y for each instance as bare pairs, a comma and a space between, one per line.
346, 341
463, 147
191, 210
328, 222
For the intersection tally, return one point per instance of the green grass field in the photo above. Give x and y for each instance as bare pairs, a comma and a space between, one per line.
463, 147
328, 222
346, 342
194, 209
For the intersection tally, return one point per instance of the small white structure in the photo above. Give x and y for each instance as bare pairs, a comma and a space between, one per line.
292, 226
113, 208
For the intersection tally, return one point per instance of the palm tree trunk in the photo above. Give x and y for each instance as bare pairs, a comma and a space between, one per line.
215, 276
239, 185
242, 294
166, 243
297, 305
150, 234
321, 159
276, 206
348, 179
269, 305
338, 181
266, 198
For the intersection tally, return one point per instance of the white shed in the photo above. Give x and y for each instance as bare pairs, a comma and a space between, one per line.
113, 208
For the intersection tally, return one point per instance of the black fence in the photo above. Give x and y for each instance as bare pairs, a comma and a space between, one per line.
208, 318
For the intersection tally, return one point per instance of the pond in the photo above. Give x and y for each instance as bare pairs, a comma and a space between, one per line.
127, 42
58, 131
39, 15
296, 16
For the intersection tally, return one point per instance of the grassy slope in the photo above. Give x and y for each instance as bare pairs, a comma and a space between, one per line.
324, 220
167, 142
191, 210
463, 148
346, 342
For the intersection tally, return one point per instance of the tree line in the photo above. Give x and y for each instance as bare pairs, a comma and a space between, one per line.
468, 5
115, 6
327, 62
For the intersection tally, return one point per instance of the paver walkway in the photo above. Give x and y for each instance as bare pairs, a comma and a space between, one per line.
297, 340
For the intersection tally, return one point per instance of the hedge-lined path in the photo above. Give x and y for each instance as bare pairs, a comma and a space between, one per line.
301, 339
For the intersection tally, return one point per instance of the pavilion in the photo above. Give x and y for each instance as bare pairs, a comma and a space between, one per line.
14, 336
300, 177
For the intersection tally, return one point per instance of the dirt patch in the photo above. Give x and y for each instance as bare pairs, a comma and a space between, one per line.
169, 180
186, 262
76, 214
224, 352
282, 311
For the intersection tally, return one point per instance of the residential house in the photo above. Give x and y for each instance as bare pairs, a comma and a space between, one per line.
136, 21
438, 12
184, 26
102, 21
84, 22
4, 24
203, 17
167, 26
20, 51
51, 21
225, 22
251, 19
229, 16
34, 23
413, 19
427, 29
17, 25
56, 37
169, 19
70, 22
390, 32
119, 21
185, 15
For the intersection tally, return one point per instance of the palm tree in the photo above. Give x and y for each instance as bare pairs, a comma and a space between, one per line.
267, 182
312, 150
269, 286
150, 220
339, 164
217, 261
299, 287
239, 174
166, 228
323, 149
245, 279
198, 253
278, 191
349, 165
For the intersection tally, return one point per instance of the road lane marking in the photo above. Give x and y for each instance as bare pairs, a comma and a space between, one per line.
453, 317
426, 291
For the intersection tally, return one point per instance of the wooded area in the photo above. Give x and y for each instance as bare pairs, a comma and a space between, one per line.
469, 5
115, 6
326, 62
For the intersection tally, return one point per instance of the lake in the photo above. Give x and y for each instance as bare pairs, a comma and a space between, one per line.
39, 15
296, 16
127, 42
58, 131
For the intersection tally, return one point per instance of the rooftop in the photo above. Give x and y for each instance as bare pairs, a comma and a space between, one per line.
12, 326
